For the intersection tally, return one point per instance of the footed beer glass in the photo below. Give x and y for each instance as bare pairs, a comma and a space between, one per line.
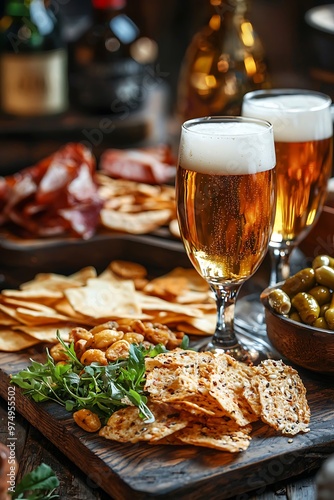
302, 124
225, 195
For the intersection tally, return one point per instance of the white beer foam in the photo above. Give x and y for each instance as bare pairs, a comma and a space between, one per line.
295, 118
227, 148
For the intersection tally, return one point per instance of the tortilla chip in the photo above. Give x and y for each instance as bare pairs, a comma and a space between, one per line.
51, 281
12, 342
34, 293
31, 317
100, 299
128, 270
45, 333
138, 223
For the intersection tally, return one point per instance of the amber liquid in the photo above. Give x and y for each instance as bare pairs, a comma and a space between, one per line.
225, 222
302, 170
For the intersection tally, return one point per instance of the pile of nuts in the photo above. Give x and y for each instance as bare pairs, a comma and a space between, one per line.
109, 341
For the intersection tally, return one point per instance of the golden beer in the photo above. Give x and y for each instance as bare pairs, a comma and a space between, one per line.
225, 221
303, 170
303, 143
226, 197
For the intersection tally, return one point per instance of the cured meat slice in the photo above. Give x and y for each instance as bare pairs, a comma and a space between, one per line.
154, 165
56, 196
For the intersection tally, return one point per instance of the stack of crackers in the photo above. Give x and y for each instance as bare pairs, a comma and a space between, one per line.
211, 400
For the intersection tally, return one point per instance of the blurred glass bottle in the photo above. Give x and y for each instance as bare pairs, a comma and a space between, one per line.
33, 60
110, 63
224, 60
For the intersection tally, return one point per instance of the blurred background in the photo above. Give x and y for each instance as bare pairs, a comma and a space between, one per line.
297, 49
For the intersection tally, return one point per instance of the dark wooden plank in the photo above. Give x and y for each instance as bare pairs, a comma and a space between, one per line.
127, 471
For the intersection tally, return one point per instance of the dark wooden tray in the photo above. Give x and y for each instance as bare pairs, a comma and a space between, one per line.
141, 471
21, 260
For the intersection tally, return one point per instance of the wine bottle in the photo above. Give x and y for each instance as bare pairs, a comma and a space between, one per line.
33, 60
224, 60
109, 63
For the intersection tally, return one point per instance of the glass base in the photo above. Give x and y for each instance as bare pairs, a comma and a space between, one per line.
252, 351
249, 315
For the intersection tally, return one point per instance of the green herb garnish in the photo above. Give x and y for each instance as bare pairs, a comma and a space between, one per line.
101, 389
39, 484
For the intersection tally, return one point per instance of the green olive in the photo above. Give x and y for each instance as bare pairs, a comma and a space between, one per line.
321, 323
300, 282
322, 294
324, 308
295, 317
322, 260
329, 317
307, 307
279, 301
325, 276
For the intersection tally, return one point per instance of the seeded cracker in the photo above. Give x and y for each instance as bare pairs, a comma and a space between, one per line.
282, 396
178, 375
227, 388
218, 433
125, 425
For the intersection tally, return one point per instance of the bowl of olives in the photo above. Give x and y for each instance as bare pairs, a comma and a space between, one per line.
299, 315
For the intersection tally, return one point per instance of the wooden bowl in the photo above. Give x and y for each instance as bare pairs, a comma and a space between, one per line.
304, 345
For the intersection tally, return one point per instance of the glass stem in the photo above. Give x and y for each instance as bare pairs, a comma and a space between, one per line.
280, 264
224, 336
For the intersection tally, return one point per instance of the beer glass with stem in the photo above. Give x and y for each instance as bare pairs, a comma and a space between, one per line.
302, 126
225, 196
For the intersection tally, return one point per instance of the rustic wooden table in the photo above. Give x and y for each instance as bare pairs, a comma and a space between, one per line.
33, 448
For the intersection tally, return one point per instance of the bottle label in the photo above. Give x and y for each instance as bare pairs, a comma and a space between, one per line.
34, 84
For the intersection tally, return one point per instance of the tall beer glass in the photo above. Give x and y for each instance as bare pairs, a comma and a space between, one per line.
225, 194
303, 130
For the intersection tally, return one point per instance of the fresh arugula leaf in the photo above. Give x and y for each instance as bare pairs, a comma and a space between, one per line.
39, 484
185, 342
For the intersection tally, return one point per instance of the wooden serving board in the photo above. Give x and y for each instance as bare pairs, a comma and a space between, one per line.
142, 471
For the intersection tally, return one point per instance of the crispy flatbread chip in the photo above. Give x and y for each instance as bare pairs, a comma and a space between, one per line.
128, 270
32, 317
125, 425
218, 433
227, 388
282, 396
52, 281
36, 293
12, 342
100, 299
137, 223
174, 228
45, 333
200, 404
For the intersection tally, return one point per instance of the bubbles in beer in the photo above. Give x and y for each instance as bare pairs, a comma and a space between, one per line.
225, 221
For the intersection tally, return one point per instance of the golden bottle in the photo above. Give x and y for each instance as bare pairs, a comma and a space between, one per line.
224, 60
